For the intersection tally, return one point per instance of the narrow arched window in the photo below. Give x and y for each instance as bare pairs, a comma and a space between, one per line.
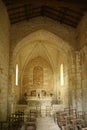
16, 80
61, 74
38, 75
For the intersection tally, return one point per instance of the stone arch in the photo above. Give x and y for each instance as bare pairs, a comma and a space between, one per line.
34, 75
43, 35
24, 29
51, 47
31, 56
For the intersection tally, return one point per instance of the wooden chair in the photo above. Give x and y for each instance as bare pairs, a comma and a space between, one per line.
48, 111
15, 121
30, 123
33, 113
38, 109
81, 114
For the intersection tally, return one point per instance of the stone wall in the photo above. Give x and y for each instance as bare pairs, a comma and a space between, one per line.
83, 54
82, 32
73, 59
82, 40
38, 75
37, 38
4, 60
75, 63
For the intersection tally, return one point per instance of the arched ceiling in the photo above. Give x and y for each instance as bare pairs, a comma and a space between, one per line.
42, 36
68, 12
47, 46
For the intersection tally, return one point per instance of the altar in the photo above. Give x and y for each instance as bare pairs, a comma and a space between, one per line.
41, 101
38, 93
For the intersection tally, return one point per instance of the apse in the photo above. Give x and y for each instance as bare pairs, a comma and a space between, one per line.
38, 75
42, 61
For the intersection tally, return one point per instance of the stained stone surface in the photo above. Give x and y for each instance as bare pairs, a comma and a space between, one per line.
4, 60
46, 123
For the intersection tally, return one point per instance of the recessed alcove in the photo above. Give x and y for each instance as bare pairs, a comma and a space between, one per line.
39, 56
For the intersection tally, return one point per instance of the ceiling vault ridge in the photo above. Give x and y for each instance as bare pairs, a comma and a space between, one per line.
50, 58
29, 55
42, 38
45, 51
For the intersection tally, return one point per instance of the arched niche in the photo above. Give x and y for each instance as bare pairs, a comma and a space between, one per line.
38, 74
49, 48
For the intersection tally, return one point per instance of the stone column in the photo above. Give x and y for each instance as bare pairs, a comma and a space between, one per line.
72, 80
75, 89
78, 76
84, 78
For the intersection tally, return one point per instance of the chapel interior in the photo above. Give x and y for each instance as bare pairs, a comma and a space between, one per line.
43, 65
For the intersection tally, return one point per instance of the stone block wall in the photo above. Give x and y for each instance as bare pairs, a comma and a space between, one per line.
83, 53
20, 30
38, 75
82, 39
82, 32
4, 60
76, 70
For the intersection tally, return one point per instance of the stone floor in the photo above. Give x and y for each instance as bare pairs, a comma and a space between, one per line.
46, 123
